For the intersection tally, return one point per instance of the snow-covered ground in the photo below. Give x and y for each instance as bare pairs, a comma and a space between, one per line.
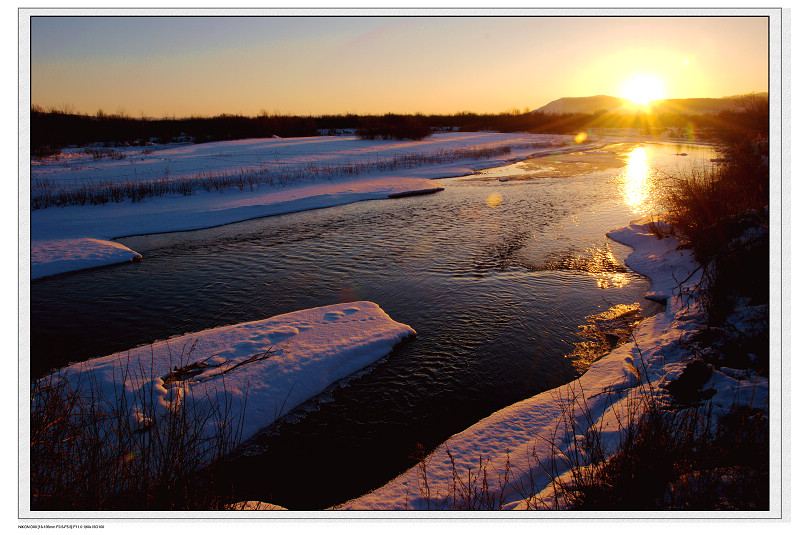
524, 446
317, 347
79, 237
257, 371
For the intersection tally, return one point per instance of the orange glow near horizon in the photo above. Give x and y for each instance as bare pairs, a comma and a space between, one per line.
299, 65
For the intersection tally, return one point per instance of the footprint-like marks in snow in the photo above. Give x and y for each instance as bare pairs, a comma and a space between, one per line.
258, 337
337, 315
333, 316
281, 334
246, 347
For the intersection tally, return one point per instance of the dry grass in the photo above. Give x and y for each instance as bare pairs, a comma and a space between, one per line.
649, 452
46, 193
722, 216
87, 453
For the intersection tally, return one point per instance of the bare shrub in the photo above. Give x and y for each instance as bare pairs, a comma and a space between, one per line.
89, 453
42, 152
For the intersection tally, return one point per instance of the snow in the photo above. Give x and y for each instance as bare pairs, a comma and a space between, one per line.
534, 441
668, 266
255, 506
303, 352
56, 231
50, 257
307, 351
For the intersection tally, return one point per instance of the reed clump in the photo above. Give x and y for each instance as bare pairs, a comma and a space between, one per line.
722, 215
46, 193
95, 450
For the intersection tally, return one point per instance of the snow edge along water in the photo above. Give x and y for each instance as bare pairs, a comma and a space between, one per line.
64, 255
530, 443
259, 370
72, 238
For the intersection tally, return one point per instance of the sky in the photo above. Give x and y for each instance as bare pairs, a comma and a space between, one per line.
204, 66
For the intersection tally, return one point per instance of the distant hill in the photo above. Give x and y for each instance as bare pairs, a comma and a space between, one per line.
584, 104
621, 105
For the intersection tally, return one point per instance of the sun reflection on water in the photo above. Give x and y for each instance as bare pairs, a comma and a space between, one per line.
637, 183
597, 261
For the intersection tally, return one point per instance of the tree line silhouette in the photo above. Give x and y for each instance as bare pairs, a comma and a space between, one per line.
53, 129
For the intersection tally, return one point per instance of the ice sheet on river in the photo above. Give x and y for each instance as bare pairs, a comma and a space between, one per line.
265, 367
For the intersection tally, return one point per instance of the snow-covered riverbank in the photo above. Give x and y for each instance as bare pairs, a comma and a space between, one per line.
257, 371
79, 237
522, 448
277, 363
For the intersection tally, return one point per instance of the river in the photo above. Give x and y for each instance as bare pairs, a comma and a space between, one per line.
496, 274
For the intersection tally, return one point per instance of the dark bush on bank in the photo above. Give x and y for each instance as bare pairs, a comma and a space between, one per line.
391, 126
722, 215
86, 455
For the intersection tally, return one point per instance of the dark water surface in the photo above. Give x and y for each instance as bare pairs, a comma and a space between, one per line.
495, 277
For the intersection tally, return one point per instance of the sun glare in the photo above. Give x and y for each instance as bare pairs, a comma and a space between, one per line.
643, 89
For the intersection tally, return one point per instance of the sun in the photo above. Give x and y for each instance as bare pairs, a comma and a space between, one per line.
643, 89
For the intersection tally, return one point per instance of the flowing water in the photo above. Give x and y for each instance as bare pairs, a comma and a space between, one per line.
496, 274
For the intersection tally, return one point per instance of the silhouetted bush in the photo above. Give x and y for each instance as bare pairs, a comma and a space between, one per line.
392, 126
722, 215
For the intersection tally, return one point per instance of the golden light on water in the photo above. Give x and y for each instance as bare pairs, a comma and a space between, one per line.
607, 270
637, 180
604, 332
611, 280
493, 200
580, 138
599, 262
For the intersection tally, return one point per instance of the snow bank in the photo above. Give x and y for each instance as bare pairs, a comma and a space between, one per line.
259, 370
49, 257
531, 442
62, 228
668, 266
58, 235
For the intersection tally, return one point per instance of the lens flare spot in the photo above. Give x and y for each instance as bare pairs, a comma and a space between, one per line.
580, 138
689, 131
494, 200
